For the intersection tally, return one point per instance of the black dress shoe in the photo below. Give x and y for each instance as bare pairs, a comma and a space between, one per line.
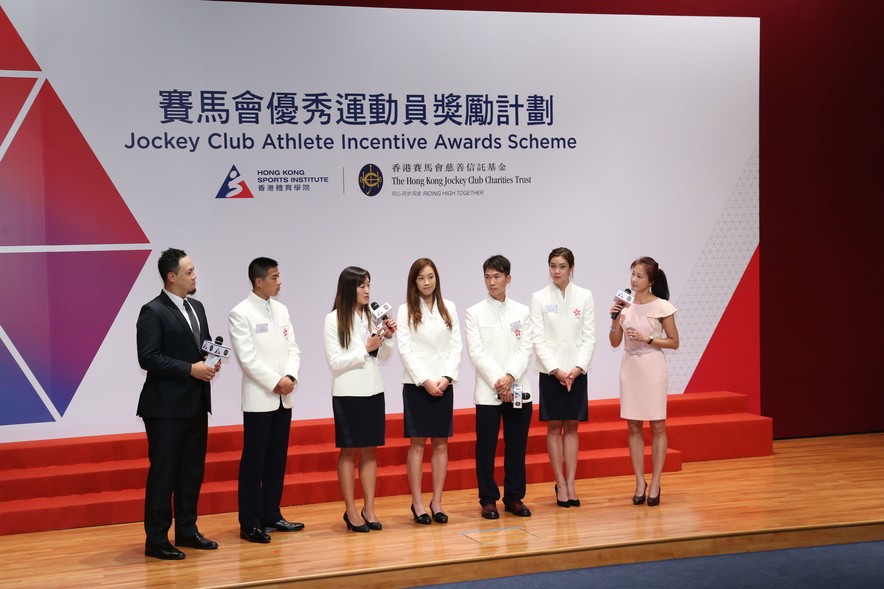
654, 501
283, 526
574, 502
517, 508
363, 528
255, 535
439, 517
197, 541
639, 499
559, 502
422, 519
489, 511
164, 552
376, 526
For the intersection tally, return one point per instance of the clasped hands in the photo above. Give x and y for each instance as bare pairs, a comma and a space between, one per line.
503, 387
566, 378
435, 388
284, 386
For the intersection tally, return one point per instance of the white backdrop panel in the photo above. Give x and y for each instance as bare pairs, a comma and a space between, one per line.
663, 110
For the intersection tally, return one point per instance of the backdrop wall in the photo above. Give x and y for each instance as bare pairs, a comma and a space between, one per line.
820, 131
821, 144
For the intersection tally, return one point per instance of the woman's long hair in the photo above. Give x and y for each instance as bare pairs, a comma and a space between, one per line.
345, 301
413, 295
659, 284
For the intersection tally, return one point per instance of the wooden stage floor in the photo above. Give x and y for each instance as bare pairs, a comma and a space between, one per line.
810, 492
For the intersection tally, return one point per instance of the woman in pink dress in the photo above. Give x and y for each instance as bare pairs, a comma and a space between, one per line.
643, 374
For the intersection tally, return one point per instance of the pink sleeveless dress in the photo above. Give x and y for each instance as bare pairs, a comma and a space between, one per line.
643, 374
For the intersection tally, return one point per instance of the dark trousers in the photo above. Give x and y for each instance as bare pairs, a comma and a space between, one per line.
515, 440
262, 466
177, 453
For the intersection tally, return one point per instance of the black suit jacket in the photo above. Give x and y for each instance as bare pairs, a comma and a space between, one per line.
166, 351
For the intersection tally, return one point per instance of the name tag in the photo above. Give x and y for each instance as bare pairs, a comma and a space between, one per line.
262, 328
551, 308
516, 325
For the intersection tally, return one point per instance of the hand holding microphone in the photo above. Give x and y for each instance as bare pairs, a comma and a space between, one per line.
384, 324
381, 321
623, 298
216, 352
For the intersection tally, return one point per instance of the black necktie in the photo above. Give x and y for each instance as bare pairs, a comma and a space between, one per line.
194, 324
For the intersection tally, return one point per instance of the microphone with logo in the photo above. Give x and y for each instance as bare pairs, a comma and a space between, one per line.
379, 314
626, 297
216, 352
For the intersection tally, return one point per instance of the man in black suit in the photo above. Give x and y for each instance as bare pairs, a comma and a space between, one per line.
174, 404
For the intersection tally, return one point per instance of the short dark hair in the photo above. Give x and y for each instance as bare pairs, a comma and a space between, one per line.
260, 267
170, 261
497, 262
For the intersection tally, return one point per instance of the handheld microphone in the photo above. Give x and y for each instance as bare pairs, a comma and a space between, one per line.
216, 351
380, 313
624, 295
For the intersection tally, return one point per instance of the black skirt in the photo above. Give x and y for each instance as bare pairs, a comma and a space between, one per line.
557, 403
427, 416
359, 421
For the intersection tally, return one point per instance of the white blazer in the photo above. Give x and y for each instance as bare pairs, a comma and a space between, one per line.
265, 347
498, 344
431, 351
356, 372
563, 328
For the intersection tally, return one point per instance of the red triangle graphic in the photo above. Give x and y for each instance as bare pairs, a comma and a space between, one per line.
53, 190
14, 55
732, 359
59, 331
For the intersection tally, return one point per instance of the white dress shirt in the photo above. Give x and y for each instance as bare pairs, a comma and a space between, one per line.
179, 302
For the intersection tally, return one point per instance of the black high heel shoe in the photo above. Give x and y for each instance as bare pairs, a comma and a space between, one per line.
654, 501
376, 526
352, 528
438, 516
639, 499
565, 503
422, 519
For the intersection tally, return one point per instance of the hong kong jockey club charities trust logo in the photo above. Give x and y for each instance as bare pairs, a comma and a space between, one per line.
371, 180
234, 186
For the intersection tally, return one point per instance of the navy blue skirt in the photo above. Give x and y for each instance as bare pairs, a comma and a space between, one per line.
557, 403
427, 416
359, 421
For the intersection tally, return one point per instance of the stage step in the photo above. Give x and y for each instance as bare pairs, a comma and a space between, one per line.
100, 480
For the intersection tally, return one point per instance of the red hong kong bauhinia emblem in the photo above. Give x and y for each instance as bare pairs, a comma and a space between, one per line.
577, 312
285, 332
517, 332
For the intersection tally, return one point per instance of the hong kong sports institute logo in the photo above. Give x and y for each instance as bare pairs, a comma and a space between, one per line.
371, 180
234, 186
